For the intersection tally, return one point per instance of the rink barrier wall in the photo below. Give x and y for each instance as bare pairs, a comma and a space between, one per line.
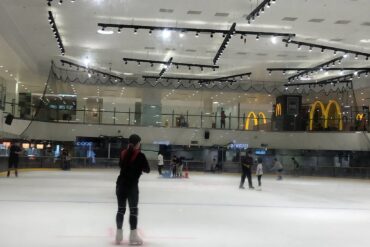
345, 141
28, 165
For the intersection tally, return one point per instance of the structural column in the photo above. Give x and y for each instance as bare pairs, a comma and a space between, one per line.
151, 108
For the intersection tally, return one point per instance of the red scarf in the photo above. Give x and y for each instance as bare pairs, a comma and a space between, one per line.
133, 157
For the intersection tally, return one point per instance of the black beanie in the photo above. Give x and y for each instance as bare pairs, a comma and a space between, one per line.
134, 139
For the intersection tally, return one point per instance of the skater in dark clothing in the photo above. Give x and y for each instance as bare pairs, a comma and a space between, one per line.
14, 153
246, 163
132, 163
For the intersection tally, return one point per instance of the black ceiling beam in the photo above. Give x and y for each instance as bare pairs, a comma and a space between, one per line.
184, 78
224, 44
259, 9
318, 67
56, 33
173, 63
303, 69
316, 83
168, 64
231, 78
324, 47
90, 70
195, 30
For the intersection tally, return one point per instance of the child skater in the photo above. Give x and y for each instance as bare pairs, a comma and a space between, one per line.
259, 173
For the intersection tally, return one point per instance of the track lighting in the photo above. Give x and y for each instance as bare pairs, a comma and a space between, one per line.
334, 49
169, 63
231, 78
224, 43
198, 31
56, 33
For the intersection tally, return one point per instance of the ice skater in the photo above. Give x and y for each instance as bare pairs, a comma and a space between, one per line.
160, 163
14, 152
278, 167
259, 173
132, 163
295, 166
246, 163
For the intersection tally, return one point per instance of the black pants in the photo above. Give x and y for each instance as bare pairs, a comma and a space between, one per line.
246, 173
259, 180
160, 169
131, 195
13, 163
222, 124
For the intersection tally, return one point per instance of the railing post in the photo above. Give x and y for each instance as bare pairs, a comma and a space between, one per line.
230, 120
13, 107
84, 116
114, 115
244, 121
216, 120
57, 112
201, 120
187, 119
173, 117
99, 115
129, 116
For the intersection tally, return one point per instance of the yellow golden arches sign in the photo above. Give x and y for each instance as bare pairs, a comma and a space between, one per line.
262, 116
359, 116
252, 115
278, 110
325, 112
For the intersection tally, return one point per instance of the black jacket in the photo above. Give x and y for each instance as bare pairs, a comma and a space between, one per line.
131, 172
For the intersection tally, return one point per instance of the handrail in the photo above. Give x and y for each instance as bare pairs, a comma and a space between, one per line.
204, 121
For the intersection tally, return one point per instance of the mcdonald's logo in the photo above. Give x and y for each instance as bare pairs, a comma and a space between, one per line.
325, 112
359, 116
252, 115
278, 110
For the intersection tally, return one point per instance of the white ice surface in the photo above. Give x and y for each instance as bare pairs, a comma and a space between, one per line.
77, 208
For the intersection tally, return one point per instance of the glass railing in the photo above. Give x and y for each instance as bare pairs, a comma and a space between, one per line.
173, 119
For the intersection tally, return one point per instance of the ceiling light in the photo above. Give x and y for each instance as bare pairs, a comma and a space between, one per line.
182, 34
257, 37
135, 31
106, 32
197, 34
150, 32
274, 40
356, 57
310, 48
166, 34
119, 30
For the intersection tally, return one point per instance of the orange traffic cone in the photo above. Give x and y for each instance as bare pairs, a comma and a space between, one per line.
186, 174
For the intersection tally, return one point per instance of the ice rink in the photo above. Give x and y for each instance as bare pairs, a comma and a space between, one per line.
77, 208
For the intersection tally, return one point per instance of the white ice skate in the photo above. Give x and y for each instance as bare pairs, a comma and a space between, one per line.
119, 236
259, 188
134, 238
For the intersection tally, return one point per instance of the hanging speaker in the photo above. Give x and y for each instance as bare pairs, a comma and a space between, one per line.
206, 134
9, 119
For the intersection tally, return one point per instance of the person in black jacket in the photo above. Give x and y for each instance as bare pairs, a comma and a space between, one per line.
14, 153
247, 163
132, 163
